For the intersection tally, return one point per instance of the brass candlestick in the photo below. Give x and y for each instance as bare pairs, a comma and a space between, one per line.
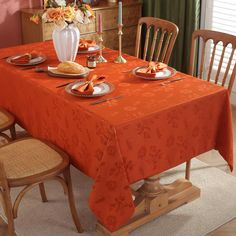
100, 58
120, 59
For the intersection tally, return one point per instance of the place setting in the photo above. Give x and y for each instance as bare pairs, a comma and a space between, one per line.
87, 46
154, 71
91, 87
26, 59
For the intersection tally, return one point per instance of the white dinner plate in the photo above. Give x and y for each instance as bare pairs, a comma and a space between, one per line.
92, 49
53, 71
99, 89
37, 60
163, 74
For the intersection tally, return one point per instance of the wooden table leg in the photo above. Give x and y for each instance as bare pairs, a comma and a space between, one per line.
153, 199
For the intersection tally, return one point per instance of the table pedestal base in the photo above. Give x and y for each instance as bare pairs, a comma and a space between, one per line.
153, 199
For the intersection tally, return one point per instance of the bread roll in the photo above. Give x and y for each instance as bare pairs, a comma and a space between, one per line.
70, 67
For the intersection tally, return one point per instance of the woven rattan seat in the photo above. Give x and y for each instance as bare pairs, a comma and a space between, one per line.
28, 157
30, 162
7, 121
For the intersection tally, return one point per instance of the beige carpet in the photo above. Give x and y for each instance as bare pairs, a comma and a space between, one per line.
216, 206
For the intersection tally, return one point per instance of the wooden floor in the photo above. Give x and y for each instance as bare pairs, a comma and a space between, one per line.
212, 159
228, 229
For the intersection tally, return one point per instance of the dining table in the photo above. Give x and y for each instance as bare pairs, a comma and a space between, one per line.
152, 127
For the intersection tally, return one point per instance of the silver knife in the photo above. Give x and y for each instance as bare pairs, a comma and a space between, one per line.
27, 68
63, 85
105, 100
170, 81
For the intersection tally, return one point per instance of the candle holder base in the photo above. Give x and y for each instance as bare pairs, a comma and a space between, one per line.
101, 59
120, 59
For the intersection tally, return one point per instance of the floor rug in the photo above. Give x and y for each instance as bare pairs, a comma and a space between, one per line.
216, 206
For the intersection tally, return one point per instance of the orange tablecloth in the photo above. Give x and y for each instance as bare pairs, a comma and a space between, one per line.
151, 129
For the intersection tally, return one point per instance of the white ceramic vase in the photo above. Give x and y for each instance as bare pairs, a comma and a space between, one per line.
66, 42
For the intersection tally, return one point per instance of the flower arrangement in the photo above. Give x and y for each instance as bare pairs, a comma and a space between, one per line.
62, 15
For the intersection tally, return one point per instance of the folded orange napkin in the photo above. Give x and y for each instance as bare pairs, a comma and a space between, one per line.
87, 87
85, 44
154, 67
24, 58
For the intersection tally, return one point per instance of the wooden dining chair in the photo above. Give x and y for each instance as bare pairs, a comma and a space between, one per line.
7, 122
30, 162
216, 62
159, 39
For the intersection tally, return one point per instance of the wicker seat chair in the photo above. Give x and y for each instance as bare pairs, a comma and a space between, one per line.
30, 162
7, 122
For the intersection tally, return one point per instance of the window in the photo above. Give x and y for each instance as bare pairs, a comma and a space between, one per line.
219, 15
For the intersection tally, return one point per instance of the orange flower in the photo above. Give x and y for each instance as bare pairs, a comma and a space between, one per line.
35, 19
54, 14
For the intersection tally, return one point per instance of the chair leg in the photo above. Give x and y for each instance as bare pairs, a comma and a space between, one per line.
13, 132
43, 192
5, 193
71, 200
187, 170
9, 213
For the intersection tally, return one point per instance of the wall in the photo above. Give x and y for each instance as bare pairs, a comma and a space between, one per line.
10, 23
